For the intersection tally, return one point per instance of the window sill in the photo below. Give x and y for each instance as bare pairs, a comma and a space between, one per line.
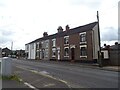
83, 42
83, 56
53, 46
66, 56
66, 44
53, 56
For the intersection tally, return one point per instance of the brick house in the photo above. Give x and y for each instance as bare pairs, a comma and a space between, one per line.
6, 52
80, 43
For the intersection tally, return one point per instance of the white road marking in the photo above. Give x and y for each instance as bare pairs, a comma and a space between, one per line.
30, 86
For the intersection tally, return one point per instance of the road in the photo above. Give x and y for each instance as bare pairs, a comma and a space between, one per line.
76, 77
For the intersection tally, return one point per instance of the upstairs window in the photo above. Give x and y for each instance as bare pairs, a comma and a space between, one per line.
53, 42
66, 40
40, 45
27, 47
33, 46
83, 37
46, 44
37, 45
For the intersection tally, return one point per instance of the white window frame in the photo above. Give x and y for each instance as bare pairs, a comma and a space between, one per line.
64, 52
53, 49
46, 44
54, 44
80, 38
67, 37
80, 51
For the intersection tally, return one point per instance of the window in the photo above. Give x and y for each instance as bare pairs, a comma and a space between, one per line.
27, 47
46, 44
33, 46
83, 37
54, 52
40, 54
46, 52
37, 45
40, 45
66, 40
37, 54
53, 42
83, 51
66, 51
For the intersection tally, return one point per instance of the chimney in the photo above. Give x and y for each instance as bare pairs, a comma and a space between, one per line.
116, 43
67, 28
60, 29
45, 34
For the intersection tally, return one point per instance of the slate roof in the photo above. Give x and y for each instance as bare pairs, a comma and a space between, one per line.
115, 47
79, 29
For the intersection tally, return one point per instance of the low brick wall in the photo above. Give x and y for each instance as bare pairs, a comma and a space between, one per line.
114, 57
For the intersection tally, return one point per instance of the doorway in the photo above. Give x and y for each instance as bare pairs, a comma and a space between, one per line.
58, 52
72, 53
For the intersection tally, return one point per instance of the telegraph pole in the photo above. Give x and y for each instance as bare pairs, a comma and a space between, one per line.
99, 52
11, 48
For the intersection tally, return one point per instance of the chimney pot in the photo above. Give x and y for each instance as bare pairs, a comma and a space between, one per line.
67, 27
45, 34
60, 29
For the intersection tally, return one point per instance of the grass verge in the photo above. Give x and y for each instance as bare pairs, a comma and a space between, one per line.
12, 77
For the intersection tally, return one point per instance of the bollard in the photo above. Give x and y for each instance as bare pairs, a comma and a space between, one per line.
6, 66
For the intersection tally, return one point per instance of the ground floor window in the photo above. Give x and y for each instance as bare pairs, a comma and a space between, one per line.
37, 54
83, 51
66, 51
54, 52
46, 52
40, 54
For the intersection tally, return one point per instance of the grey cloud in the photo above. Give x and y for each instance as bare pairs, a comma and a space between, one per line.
4, 40
109, 34
6, 32
5, 36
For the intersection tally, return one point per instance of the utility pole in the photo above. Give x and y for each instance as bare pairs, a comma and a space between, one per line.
99, 52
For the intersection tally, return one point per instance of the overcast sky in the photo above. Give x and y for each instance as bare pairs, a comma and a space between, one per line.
23, 21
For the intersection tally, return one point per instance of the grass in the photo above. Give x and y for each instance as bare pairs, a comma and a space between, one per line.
12, 77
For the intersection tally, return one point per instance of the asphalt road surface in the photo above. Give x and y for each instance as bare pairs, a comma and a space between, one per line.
76, 77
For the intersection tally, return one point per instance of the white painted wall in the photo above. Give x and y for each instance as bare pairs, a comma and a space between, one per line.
0, 52
32, 51
95, 42
29, 52
105, 53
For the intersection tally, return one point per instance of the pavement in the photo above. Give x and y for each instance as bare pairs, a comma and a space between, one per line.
79, 64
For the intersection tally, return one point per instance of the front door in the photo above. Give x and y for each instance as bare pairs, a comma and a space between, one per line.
58, 49
72, 53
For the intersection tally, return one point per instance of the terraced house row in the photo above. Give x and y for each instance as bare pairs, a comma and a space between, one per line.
79, 43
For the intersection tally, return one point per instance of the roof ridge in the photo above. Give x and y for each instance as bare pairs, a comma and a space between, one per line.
72, 30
